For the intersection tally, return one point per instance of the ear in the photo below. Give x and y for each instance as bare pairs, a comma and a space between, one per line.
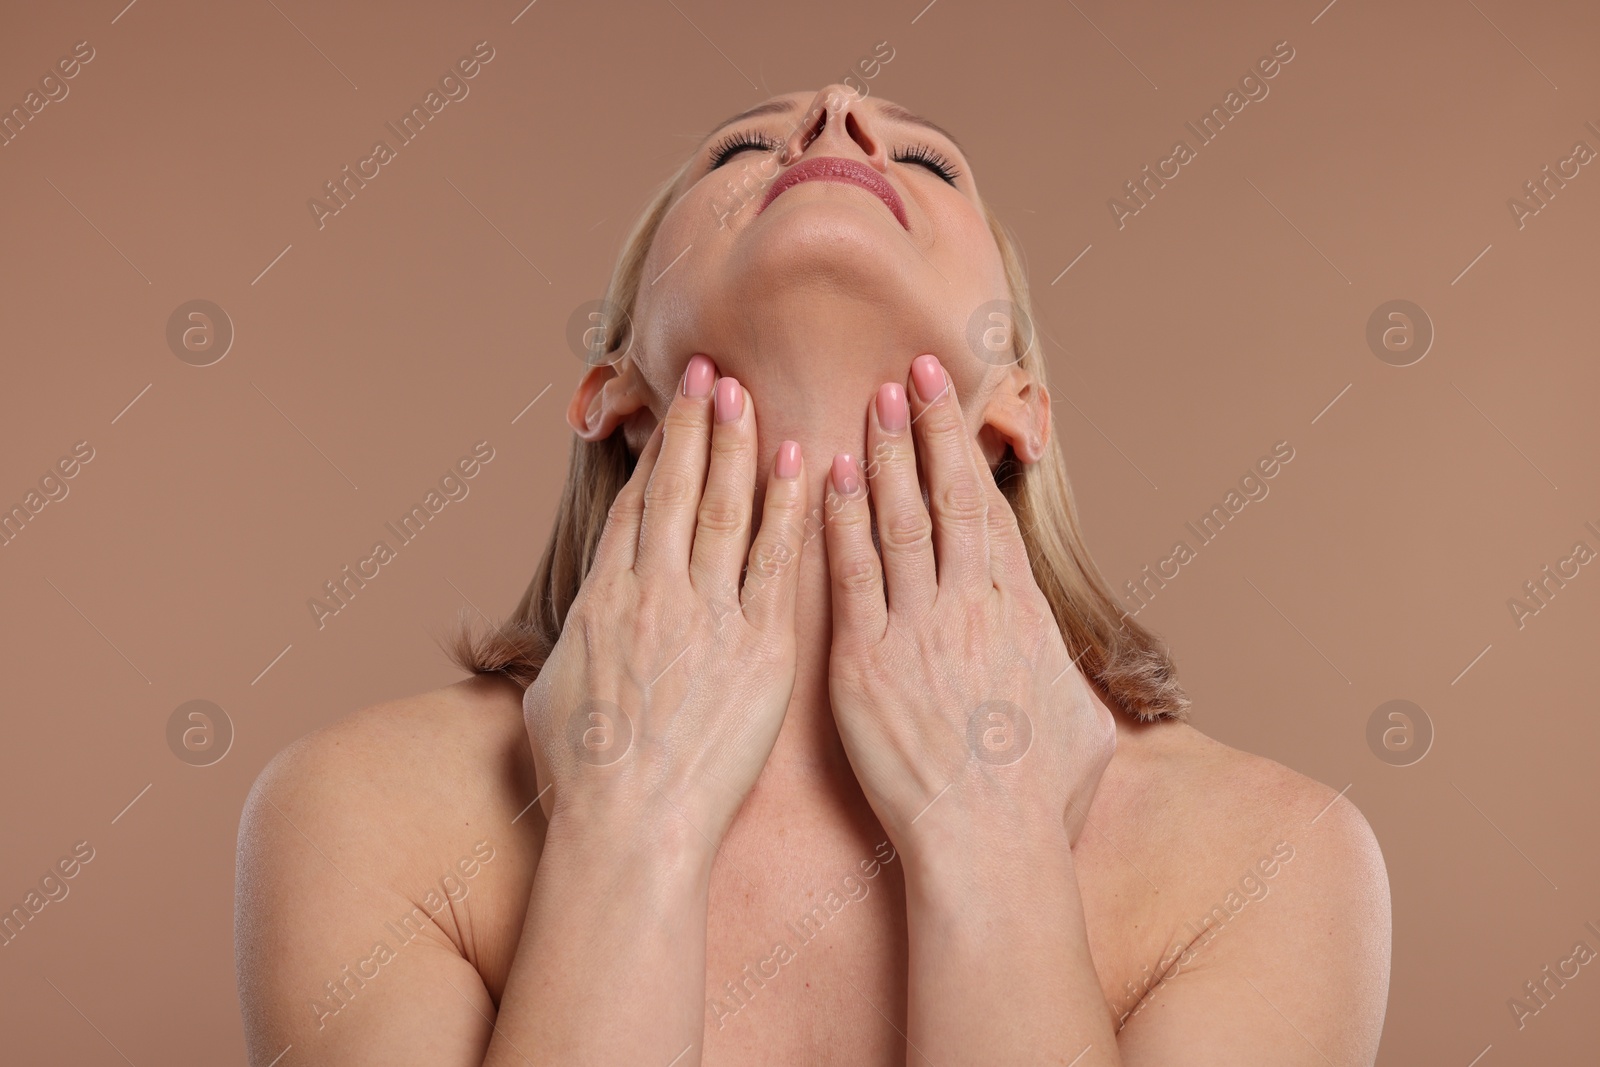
1017, 415
606, 397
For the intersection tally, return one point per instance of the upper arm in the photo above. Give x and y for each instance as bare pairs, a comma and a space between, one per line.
330, 960
1295, 969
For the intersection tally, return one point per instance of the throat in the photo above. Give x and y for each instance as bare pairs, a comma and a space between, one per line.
809, 756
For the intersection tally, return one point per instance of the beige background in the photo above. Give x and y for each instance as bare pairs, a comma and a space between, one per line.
428, 314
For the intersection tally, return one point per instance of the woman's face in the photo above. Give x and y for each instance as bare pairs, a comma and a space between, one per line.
736, 278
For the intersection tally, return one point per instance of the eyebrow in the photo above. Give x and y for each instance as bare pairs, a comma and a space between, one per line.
891, 111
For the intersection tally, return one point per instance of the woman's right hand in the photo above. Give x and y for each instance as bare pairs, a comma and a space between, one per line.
662, 699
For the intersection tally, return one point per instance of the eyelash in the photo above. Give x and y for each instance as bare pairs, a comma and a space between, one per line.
921, 155
736, 142
927, 157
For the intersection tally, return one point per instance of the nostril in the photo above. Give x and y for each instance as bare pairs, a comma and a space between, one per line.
857, 134
815, 131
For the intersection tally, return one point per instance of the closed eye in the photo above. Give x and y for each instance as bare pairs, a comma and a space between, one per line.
927, 157
920, 155
735, 143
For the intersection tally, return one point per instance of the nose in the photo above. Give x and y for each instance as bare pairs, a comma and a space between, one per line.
837, 124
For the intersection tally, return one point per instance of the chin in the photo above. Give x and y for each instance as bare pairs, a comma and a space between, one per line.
838, 247
830, 268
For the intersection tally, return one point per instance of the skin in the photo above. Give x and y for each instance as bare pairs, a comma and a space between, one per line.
802, 741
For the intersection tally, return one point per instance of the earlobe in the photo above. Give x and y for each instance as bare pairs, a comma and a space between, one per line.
607, 395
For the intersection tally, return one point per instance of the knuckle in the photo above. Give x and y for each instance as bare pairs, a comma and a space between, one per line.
1037, 616
975, 618
769, 556
962, 500
653, 601
719, 515
943, 427
772, 557
599, 586
669, 487
856, 575
905, 530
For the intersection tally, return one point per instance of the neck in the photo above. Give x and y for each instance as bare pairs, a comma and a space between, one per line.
813, 345
813, 362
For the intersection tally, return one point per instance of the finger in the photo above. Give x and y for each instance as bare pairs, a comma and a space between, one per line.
855, 572
672, 495
722, 525
768, 597
905, 533
956, 500
1010, 566
619, 539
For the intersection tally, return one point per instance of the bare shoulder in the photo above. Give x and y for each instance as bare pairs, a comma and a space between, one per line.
1197, 796
380, 838
428, 755
1279, 909
391, 783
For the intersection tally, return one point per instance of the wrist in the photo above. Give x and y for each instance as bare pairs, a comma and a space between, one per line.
967, 855
661, 846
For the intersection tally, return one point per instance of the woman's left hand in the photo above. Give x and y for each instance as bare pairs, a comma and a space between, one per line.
963, 715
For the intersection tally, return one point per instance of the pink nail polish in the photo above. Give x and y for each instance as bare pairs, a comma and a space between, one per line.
928, 376
892, 407
729, 399
787, 465
698, 376
844, 474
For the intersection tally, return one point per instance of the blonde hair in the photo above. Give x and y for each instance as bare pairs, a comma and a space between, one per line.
1129, 663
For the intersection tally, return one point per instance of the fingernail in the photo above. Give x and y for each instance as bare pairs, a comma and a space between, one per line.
698, 376
844, 474
928, 377
730, 399
787, 464
892, 407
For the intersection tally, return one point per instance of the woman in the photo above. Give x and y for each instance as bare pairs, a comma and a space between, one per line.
842, 752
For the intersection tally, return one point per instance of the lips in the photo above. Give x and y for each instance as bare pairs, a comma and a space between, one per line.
834, 169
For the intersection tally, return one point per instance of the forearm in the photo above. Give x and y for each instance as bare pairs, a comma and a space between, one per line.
611, 964
1000, 968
